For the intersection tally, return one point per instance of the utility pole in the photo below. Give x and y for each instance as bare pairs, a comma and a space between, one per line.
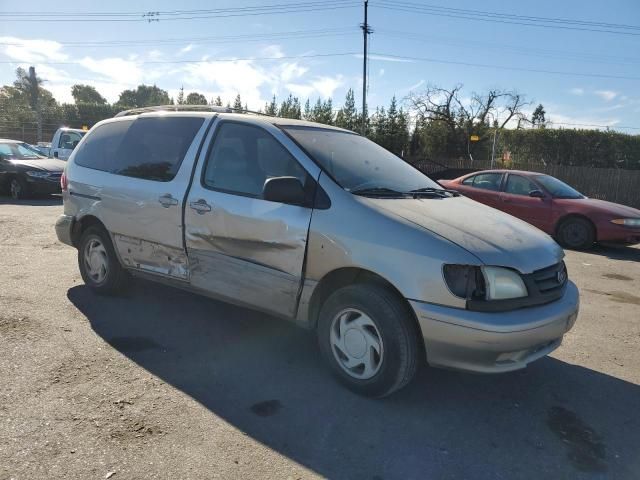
365, 33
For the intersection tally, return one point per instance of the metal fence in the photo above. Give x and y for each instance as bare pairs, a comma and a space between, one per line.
612, 184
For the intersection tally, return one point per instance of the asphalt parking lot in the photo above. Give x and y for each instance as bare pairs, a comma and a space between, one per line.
164, 384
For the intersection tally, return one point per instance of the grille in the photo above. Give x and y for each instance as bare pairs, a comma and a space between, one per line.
550, 279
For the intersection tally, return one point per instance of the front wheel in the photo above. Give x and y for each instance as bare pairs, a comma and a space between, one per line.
368, 337
99, 266
18, 189
576, 233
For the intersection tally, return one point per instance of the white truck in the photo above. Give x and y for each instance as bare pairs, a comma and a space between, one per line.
64, 141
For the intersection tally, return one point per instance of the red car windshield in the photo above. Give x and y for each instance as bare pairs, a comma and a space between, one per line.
556, 188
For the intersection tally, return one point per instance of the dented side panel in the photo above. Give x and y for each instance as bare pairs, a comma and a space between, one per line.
248, 248
152, 257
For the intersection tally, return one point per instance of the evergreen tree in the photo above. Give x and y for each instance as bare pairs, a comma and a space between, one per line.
195, 98
271, 108
237, 104
180, 99
218, 101
308, 113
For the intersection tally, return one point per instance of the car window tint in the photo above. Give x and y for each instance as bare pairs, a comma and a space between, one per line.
469, 180
69, 140
488, 181
243, 157
153, 148
518, 185
99, 149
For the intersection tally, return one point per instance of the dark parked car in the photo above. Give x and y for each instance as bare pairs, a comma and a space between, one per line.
551, 205
25, 171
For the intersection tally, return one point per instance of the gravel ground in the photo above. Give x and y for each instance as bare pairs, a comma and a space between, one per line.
165, 384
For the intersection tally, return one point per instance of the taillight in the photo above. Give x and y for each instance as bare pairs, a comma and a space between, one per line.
63, 182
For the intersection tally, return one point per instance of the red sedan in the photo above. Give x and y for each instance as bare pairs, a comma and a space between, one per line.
551, 205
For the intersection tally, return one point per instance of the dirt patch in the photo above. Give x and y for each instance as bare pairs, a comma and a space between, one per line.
16, 326
587, 451
620, 297
617, 276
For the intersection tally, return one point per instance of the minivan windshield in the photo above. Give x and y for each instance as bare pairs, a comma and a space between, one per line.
358, 164
557, 188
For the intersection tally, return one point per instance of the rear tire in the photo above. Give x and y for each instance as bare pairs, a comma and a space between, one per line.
368, 337
576, 233
98, 263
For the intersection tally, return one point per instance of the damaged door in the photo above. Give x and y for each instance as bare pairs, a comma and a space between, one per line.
241, 247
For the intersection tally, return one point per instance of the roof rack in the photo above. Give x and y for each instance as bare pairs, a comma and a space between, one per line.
187, 108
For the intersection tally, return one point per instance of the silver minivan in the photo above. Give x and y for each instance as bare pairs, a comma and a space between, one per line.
319, 226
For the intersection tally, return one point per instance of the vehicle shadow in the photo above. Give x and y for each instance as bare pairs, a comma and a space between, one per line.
43, 201
616, 252
265, 377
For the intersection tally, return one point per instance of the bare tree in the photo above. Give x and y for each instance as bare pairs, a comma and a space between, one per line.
462, 116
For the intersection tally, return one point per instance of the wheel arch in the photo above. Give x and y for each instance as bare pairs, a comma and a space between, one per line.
569, 216
82, 224
344, 276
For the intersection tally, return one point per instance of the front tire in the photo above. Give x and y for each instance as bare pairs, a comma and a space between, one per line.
369, 338
576, 234
98, 263
18, 188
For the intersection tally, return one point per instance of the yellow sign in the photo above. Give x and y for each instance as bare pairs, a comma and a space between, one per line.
85, 128
474, 138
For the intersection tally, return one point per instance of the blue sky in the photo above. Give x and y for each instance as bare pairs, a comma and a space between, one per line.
160, 53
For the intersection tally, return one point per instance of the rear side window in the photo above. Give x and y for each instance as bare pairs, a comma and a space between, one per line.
99, 149
153, 148
488, 181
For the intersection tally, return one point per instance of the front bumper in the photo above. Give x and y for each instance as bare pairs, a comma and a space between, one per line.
46, 185
609, 232
494, 342
64, 229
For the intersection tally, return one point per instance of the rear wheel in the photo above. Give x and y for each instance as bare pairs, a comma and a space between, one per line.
368, 337
18, 188
98, 263
576, 233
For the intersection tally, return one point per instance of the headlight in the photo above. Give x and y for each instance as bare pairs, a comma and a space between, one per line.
627, 222
502, 283
37, 173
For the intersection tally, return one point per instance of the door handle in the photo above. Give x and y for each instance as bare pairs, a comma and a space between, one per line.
200, 206
167, 200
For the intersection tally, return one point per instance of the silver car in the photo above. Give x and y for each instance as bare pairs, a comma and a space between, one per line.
319, 226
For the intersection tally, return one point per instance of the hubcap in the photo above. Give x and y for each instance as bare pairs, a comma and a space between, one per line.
95, 260
15, 188
356, 343
575, 234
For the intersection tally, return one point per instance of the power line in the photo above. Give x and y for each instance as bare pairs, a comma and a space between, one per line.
504, 67
339, 31
503, 47
486, 16
154, 16
229, 59
592, 125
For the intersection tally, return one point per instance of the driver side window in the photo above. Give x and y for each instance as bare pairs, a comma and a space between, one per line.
243, 157
518, 185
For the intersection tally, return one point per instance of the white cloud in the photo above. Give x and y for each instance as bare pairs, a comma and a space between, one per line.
413, 87
116, 69
381, 72
24, 50
186, 49
385, 58
155, 54
272, 51
577, 91
606, 95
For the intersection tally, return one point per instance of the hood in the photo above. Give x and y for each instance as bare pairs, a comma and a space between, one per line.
494, 237
601, 206
48, 164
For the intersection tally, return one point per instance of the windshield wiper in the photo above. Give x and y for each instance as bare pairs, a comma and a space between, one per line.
441, 192
378, 192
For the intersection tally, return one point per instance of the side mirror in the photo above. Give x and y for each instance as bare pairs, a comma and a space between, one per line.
55, 154
536, 194
284, 190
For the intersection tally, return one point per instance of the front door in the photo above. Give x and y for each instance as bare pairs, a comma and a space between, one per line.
66, 144
240, 247
516, 201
